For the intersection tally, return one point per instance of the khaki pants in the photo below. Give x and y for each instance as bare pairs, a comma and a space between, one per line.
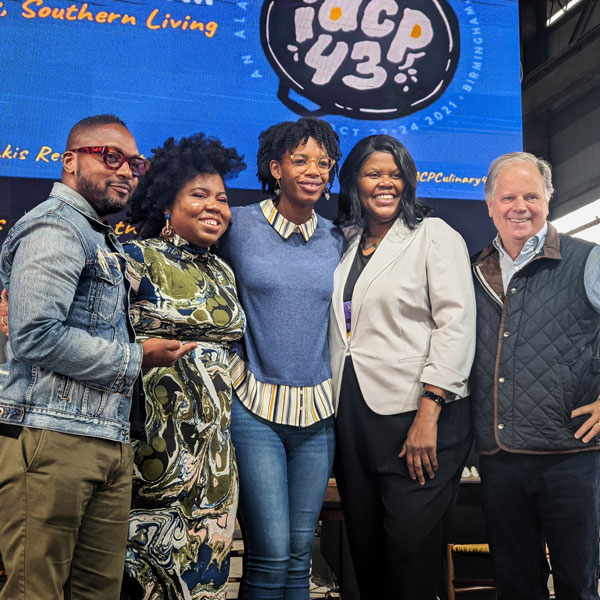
64, 506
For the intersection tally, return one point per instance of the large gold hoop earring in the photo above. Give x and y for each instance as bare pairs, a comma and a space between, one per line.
167, 231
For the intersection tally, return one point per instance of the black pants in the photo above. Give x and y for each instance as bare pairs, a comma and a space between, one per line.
395, 526
532, 500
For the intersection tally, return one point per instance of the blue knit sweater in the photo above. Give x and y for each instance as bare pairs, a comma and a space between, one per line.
285, 287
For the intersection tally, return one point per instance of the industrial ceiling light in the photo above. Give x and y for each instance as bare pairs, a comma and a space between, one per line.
561, 12
583, 223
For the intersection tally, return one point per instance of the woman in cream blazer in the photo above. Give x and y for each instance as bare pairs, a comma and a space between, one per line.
401, 339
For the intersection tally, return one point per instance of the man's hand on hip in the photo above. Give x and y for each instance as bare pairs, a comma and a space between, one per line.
159, 352
591, 427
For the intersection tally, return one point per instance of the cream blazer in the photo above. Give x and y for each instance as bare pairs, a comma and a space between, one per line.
413, 317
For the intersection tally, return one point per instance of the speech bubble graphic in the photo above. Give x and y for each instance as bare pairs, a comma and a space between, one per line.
365, 59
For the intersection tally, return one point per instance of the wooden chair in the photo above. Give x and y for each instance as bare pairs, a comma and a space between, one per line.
459, 585
332, 504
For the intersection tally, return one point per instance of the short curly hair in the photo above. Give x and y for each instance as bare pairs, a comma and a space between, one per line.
284, 137
172, 165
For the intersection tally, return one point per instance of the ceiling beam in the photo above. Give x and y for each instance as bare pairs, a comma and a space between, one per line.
563, 78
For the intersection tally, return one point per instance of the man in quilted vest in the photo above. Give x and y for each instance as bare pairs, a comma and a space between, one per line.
535, 385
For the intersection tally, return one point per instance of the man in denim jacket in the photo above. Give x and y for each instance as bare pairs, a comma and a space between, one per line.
65, 391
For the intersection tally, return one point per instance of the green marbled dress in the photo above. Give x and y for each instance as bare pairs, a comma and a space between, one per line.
185, 484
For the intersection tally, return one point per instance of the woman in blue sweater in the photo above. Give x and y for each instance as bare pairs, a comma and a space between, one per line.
284, 256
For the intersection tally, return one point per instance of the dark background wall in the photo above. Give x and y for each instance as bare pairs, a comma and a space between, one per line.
561, 96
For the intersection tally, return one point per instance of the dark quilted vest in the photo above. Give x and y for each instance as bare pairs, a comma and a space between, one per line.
537, 355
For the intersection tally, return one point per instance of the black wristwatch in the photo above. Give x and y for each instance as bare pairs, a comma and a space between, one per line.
433, 396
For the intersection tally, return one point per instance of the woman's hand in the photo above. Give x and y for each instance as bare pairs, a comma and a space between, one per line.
4, 312
421, 441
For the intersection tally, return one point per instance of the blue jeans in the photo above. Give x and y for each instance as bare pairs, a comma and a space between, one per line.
283, 477
530, 500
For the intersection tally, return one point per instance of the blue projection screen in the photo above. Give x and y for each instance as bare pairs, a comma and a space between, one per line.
441, 75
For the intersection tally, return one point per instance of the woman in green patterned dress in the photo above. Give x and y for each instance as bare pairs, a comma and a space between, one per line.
185, 486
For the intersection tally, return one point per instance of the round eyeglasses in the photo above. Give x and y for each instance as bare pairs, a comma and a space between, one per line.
324, 163
113, 158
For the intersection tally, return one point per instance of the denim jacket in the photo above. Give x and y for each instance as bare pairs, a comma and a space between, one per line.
71, 360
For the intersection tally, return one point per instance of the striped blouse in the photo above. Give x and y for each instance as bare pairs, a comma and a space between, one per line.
287, 405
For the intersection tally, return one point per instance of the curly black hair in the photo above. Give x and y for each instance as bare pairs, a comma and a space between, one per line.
172, 166
284, 137
350, 210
